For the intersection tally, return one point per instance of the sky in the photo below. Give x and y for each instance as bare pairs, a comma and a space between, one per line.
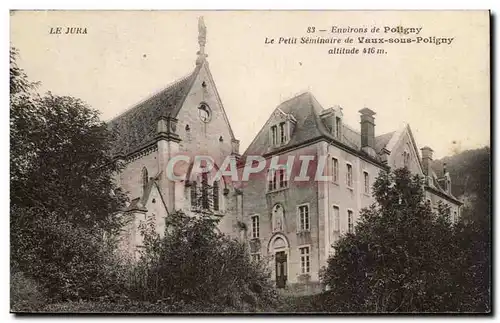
442, 91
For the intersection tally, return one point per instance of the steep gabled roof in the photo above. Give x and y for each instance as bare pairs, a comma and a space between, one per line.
136, 127
382, 140
306, 110
435, 185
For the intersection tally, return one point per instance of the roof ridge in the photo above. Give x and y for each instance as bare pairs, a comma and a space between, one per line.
293, 97
386, 134
153, 96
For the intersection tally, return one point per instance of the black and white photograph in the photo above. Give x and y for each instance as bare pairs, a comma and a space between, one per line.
250, 162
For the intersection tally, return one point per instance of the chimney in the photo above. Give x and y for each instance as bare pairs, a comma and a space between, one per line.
367, 131
426, 160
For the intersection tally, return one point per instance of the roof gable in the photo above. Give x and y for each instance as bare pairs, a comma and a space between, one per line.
303, 108
141, 203
217, 97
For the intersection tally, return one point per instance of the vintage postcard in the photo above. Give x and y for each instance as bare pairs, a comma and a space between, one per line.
250, 162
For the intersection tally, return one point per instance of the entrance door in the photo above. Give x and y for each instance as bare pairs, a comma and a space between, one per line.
281, 269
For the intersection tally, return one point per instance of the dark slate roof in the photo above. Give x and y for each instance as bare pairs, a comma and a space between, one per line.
139, 203
382, 140
435, 184
309, 126
136, 127
352, 138
136, 205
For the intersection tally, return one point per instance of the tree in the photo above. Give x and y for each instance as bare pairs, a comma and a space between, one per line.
471, 176
401, 257
63, 197
62, 149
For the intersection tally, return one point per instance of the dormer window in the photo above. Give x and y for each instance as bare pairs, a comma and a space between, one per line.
274, 135
282, 133
279, 134
338, 127
332, 119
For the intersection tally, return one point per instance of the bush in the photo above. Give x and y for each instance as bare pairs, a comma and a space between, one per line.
68, 261
195, 264
165, 306
26, 295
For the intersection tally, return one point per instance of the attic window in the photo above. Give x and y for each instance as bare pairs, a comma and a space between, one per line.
338, 124
279, 134
204, 85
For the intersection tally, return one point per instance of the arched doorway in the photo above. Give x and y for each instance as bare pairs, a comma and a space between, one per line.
279, 248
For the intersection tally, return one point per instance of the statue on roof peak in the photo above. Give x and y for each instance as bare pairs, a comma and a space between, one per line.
202, 40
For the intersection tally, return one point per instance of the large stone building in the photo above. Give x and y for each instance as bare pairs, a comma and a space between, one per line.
293, 223
289, 223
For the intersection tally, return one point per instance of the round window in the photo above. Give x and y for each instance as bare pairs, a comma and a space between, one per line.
204, 112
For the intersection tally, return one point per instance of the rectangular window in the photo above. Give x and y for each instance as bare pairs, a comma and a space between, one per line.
350, 221
204, 191
274, 134
216, 195
282, 133
406, 159
335, 170
256, 257
338, 124
282, 177
367, 182
349, 175
336, 218
304, 217
255, 226
305, 265
272, 180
